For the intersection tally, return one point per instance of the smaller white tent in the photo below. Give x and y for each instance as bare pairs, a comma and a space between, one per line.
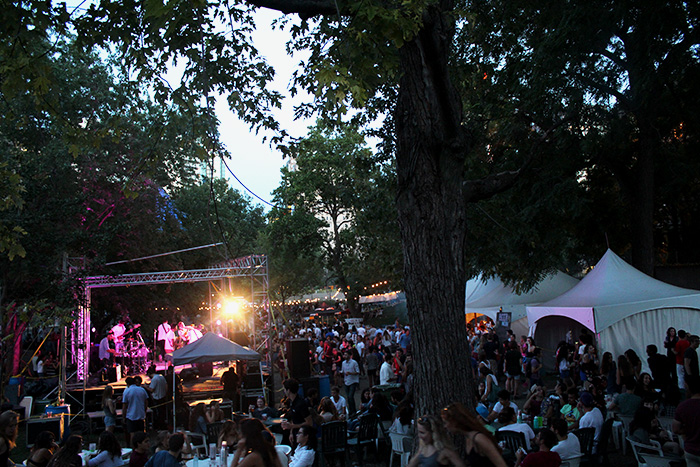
624, 307
489, 296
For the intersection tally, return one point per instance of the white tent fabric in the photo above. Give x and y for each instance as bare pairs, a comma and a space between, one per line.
488, 296
623, 306
212, 348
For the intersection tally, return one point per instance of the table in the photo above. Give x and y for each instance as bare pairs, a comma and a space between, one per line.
86, 454
207, 462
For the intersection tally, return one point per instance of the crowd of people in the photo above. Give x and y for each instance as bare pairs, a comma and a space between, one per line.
514, 394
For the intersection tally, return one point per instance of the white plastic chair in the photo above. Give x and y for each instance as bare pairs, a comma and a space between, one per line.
572, 461
198, 442
655, 458
283, 454
27, 402
397, 448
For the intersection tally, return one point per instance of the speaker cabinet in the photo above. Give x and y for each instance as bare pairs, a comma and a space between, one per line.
298, 358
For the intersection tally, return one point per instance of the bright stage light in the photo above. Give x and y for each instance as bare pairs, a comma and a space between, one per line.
233, 307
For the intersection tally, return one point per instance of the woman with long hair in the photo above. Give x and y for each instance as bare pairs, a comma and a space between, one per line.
252, 449
489, 397
608, 370
109, 451
198, 421
43, 450
670, 342
229, 433
8, 434
434, 446
624, 370
69, 454
109, 408
635, 361
481, 447
563, 363
327, 410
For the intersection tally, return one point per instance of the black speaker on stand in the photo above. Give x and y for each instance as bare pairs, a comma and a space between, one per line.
298, 358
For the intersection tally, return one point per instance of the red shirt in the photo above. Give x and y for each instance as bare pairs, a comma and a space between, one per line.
541, 459
681, 346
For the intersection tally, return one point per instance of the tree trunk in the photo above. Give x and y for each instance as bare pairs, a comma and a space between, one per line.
642, 205
430, 156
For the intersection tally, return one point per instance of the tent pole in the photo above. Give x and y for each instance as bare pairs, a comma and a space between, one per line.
174, 407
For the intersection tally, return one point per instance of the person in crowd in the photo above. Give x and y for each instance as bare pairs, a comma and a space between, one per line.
512, 367
298, 413
624, 371
644, 427
403, 422
161, 441
491, 389
645, 388
503, 402
563, 363
229, 433
570, 411
480, 445
535, 365
43, 450
635, 361
252, 449
109, 452
141, 449
608, 369
305, 452
327, 411
670, 342
231, 383
262, 411
170, 457
198, 420
534, 401
627, 403
351, 379
134, 406
365, 399
542, 458
690, 357
592, 416
214, 413
8, 434
686, 422
158, 390
69, 454
386, 373
434, 447
372, 362
679, 352
341, 404
508, 419
568, 445
109, 408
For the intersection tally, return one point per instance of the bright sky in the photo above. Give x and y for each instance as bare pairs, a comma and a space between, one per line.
255, 163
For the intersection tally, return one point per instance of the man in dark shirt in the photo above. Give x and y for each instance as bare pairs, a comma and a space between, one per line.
660, 366
231, 383
298, 413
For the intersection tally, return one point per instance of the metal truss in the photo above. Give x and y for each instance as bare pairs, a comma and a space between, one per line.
253, 267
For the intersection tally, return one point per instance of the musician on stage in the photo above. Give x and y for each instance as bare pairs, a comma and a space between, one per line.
164, 339
107, 351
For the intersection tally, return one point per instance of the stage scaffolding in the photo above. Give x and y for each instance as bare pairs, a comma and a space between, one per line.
76, 342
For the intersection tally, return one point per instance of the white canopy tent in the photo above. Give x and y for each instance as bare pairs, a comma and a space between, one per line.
624, 307
210, 348
489, 296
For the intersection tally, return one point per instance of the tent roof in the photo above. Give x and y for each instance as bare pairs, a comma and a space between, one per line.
488, 296
612, 291
212, 348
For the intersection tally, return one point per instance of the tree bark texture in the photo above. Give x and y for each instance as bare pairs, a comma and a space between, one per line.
430, 156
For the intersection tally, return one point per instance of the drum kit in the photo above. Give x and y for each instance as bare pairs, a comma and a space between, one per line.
132, 352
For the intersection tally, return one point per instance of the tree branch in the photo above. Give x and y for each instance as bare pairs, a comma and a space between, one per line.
484, 188
305, 8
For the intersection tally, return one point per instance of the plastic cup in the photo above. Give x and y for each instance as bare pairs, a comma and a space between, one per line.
92, 447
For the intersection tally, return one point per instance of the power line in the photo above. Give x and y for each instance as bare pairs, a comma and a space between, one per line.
243, 185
